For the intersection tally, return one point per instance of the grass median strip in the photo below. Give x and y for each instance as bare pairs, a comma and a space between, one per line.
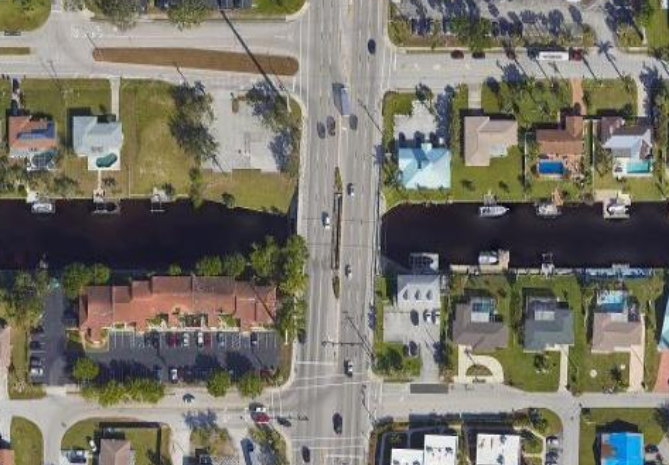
200, 59
14, 51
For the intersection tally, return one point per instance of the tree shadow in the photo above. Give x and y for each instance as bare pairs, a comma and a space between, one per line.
200, 419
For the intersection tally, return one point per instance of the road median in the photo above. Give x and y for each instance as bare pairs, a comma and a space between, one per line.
200, 59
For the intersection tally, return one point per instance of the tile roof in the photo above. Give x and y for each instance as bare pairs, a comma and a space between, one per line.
101, 307
6, 457
116, 452
486, 138
28, 134
562, 141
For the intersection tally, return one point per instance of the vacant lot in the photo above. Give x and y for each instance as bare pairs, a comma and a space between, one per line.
27, 442
151, 442
15, 18
610, 95
658, 29
200, 59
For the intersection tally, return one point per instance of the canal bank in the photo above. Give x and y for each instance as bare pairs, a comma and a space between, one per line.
135, 238
578, 238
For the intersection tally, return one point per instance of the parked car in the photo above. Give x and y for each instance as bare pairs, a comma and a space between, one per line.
171, 339
174, 375
301, 336
457, 54
158, 373
436, 314
220, 337
414, 317
200, 339
188, 398
478, 55
283, 421
36, 346
254, 339
207, 339
185, 339
552, 441
259, 414
576, 54
413, 348
92, 445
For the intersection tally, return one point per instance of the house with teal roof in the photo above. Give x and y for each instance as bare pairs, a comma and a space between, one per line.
621, 449
425, 167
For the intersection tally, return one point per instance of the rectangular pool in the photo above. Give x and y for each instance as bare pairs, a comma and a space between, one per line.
550, 168
638, 167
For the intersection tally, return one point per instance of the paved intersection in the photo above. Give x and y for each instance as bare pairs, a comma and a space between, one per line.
329, 38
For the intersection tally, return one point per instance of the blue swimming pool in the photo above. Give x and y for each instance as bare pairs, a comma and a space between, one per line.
551, 168
638, 167
611, 301
622, 449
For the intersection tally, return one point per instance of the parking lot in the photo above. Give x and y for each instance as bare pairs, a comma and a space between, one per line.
129, 354
157, 353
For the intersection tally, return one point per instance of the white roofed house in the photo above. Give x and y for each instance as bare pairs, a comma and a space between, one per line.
418, 292
630, 146
437, 449
497, 449
99, 141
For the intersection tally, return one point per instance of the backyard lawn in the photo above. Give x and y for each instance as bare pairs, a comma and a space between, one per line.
15, 18
27, 442
615, 420
607, 95
150, 442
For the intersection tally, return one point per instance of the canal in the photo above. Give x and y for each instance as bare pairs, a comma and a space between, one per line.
580, 237
135, 238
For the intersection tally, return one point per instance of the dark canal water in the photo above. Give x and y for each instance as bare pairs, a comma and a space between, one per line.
580, 237
134, 239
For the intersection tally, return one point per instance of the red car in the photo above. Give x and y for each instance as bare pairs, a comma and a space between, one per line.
576, 54
171, 339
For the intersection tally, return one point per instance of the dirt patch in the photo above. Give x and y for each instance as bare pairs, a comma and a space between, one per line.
200, 59
14, 50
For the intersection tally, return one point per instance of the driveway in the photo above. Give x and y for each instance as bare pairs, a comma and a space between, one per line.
466, 360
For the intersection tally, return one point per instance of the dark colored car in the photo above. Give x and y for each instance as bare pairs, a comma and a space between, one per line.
478, 55
353, 122
413, 348
306, 454
16, 87
332, 126
283, 421
576, 54
337, 423
207, 339
371, 46
495, 29
414, 317
457, 54
36, 346
301, 336
320, 128
171, 339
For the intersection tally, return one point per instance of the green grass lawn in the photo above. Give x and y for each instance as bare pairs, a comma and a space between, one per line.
410, 366
15, 18
19, 385
151, 156
607, 95
646, 188
5, 102
518, 365
602, 420
151, 444
657, 31
272, 7
27, 442
536, 102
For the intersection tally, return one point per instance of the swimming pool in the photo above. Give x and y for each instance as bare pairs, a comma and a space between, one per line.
611, 301
638, 167
551, 168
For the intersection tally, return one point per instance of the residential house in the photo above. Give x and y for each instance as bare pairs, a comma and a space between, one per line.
419, 292
425, 167
487, 138
477, 325
437, 449
99, 141
630, 146
172, 301
497, 449
34, 140
6, 457
549, 324
116, 452
617, 324
561, 149
621, 449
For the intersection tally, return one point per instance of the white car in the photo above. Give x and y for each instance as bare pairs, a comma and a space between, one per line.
200, 339
93, 446
174, 375
186, 340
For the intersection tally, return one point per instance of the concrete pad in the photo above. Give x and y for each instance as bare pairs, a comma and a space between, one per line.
564, 368
244, 143
637, 353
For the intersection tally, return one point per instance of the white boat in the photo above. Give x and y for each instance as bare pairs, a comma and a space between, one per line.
548, 210
488, 258
43, 207
618, 209
492, 211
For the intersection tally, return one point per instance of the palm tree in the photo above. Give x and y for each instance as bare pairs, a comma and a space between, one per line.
604, 48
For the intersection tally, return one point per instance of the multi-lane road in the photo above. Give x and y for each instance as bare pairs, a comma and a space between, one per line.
329, 38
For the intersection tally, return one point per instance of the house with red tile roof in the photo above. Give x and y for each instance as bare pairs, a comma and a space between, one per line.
34, 140
175, 302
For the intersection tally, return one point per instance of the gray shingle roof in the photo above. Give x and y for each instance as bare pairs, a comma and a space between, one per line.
476, 329
547, 323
